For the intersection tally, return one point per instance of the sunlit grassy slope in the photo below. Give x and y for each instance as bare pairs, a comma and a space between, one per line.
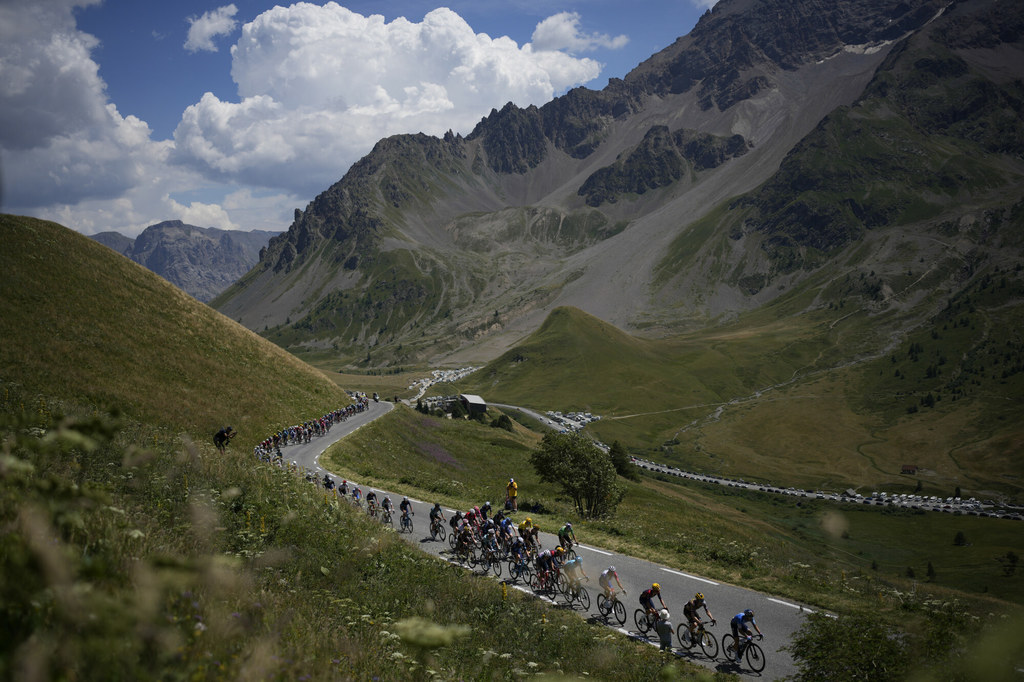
78, 322
133, 550
815, 399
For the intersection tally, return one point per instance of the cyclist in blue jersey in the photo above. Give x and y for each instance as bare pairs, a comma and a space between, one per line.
739, 627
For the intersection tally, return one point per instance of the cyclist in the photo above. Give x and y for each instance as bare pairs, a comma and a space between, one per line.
690, 609
647, 598
490, 545
436, 514
486, 509
534, 538
343, 489
518, 550
406, 506
739, 627
605, 581
544, 562
525, 527
357, 495
454, 522
566, 537
505, 529
387, 505
371, 502
465, 539
574, 570
328, 482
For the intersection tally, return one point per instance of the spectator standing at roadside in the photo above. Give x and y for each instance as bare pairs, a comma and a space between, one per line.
512, 492
664, 628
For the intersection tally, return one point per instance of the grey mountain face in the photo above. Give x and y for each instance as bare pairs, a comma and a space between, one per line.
780, 143
202, 261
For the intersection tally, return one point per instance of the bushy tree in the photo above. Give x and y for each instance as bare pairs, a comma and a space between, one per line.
848, 648
585, 473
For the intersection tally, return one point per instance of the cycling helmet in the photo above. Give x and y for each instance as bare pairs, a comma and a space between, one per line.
656, 587
529, 520
568, 525
699, 596
612, 569
559, 550
487, 503
405, 498
437, 505
748, 612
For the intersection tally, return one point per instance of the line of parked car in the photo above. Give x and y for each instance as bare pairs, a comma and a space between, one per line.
949, 505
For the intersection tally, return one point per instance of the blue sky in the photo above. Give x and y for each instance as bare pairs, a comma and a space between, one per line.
118, 114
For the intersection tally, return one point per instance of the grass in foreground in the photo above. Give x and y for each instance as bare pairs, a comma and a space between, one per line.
179, 563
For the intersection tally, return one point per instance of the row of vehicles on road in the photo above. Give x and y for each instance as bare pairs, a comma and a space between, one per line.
949, 505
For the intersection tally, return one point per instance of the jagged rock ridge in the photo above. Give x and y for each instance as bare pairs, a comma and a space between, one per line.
202, 261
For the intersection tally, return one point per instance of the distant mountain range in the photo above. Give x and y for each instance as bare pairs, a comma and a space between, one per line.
808, 155
202, 261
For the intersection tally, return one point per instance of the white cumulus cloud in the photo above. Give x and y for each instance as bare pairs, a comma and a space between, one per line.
202, 30
319, 85
562, 32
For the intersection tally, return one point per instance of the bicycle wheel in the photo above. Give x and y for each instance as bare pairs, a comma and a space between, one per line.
496, 566
441, 532
570, 554
684, 635
603, 605
755, 657
562, 586
619, 611
584, 598
729, 648
708, 644
640, 620
451, 540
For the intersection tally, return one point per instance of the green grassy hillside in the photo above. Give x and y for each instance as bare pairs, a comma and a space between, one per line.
133, 550
810, 400
80, 324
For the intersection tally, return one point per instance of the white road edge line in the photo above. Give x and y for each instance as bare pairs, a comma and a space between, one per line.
793, 606
599, 551
692, 577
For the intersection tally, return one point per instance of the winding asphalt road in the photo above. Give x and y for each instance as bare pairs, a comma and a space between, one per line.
777, 618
